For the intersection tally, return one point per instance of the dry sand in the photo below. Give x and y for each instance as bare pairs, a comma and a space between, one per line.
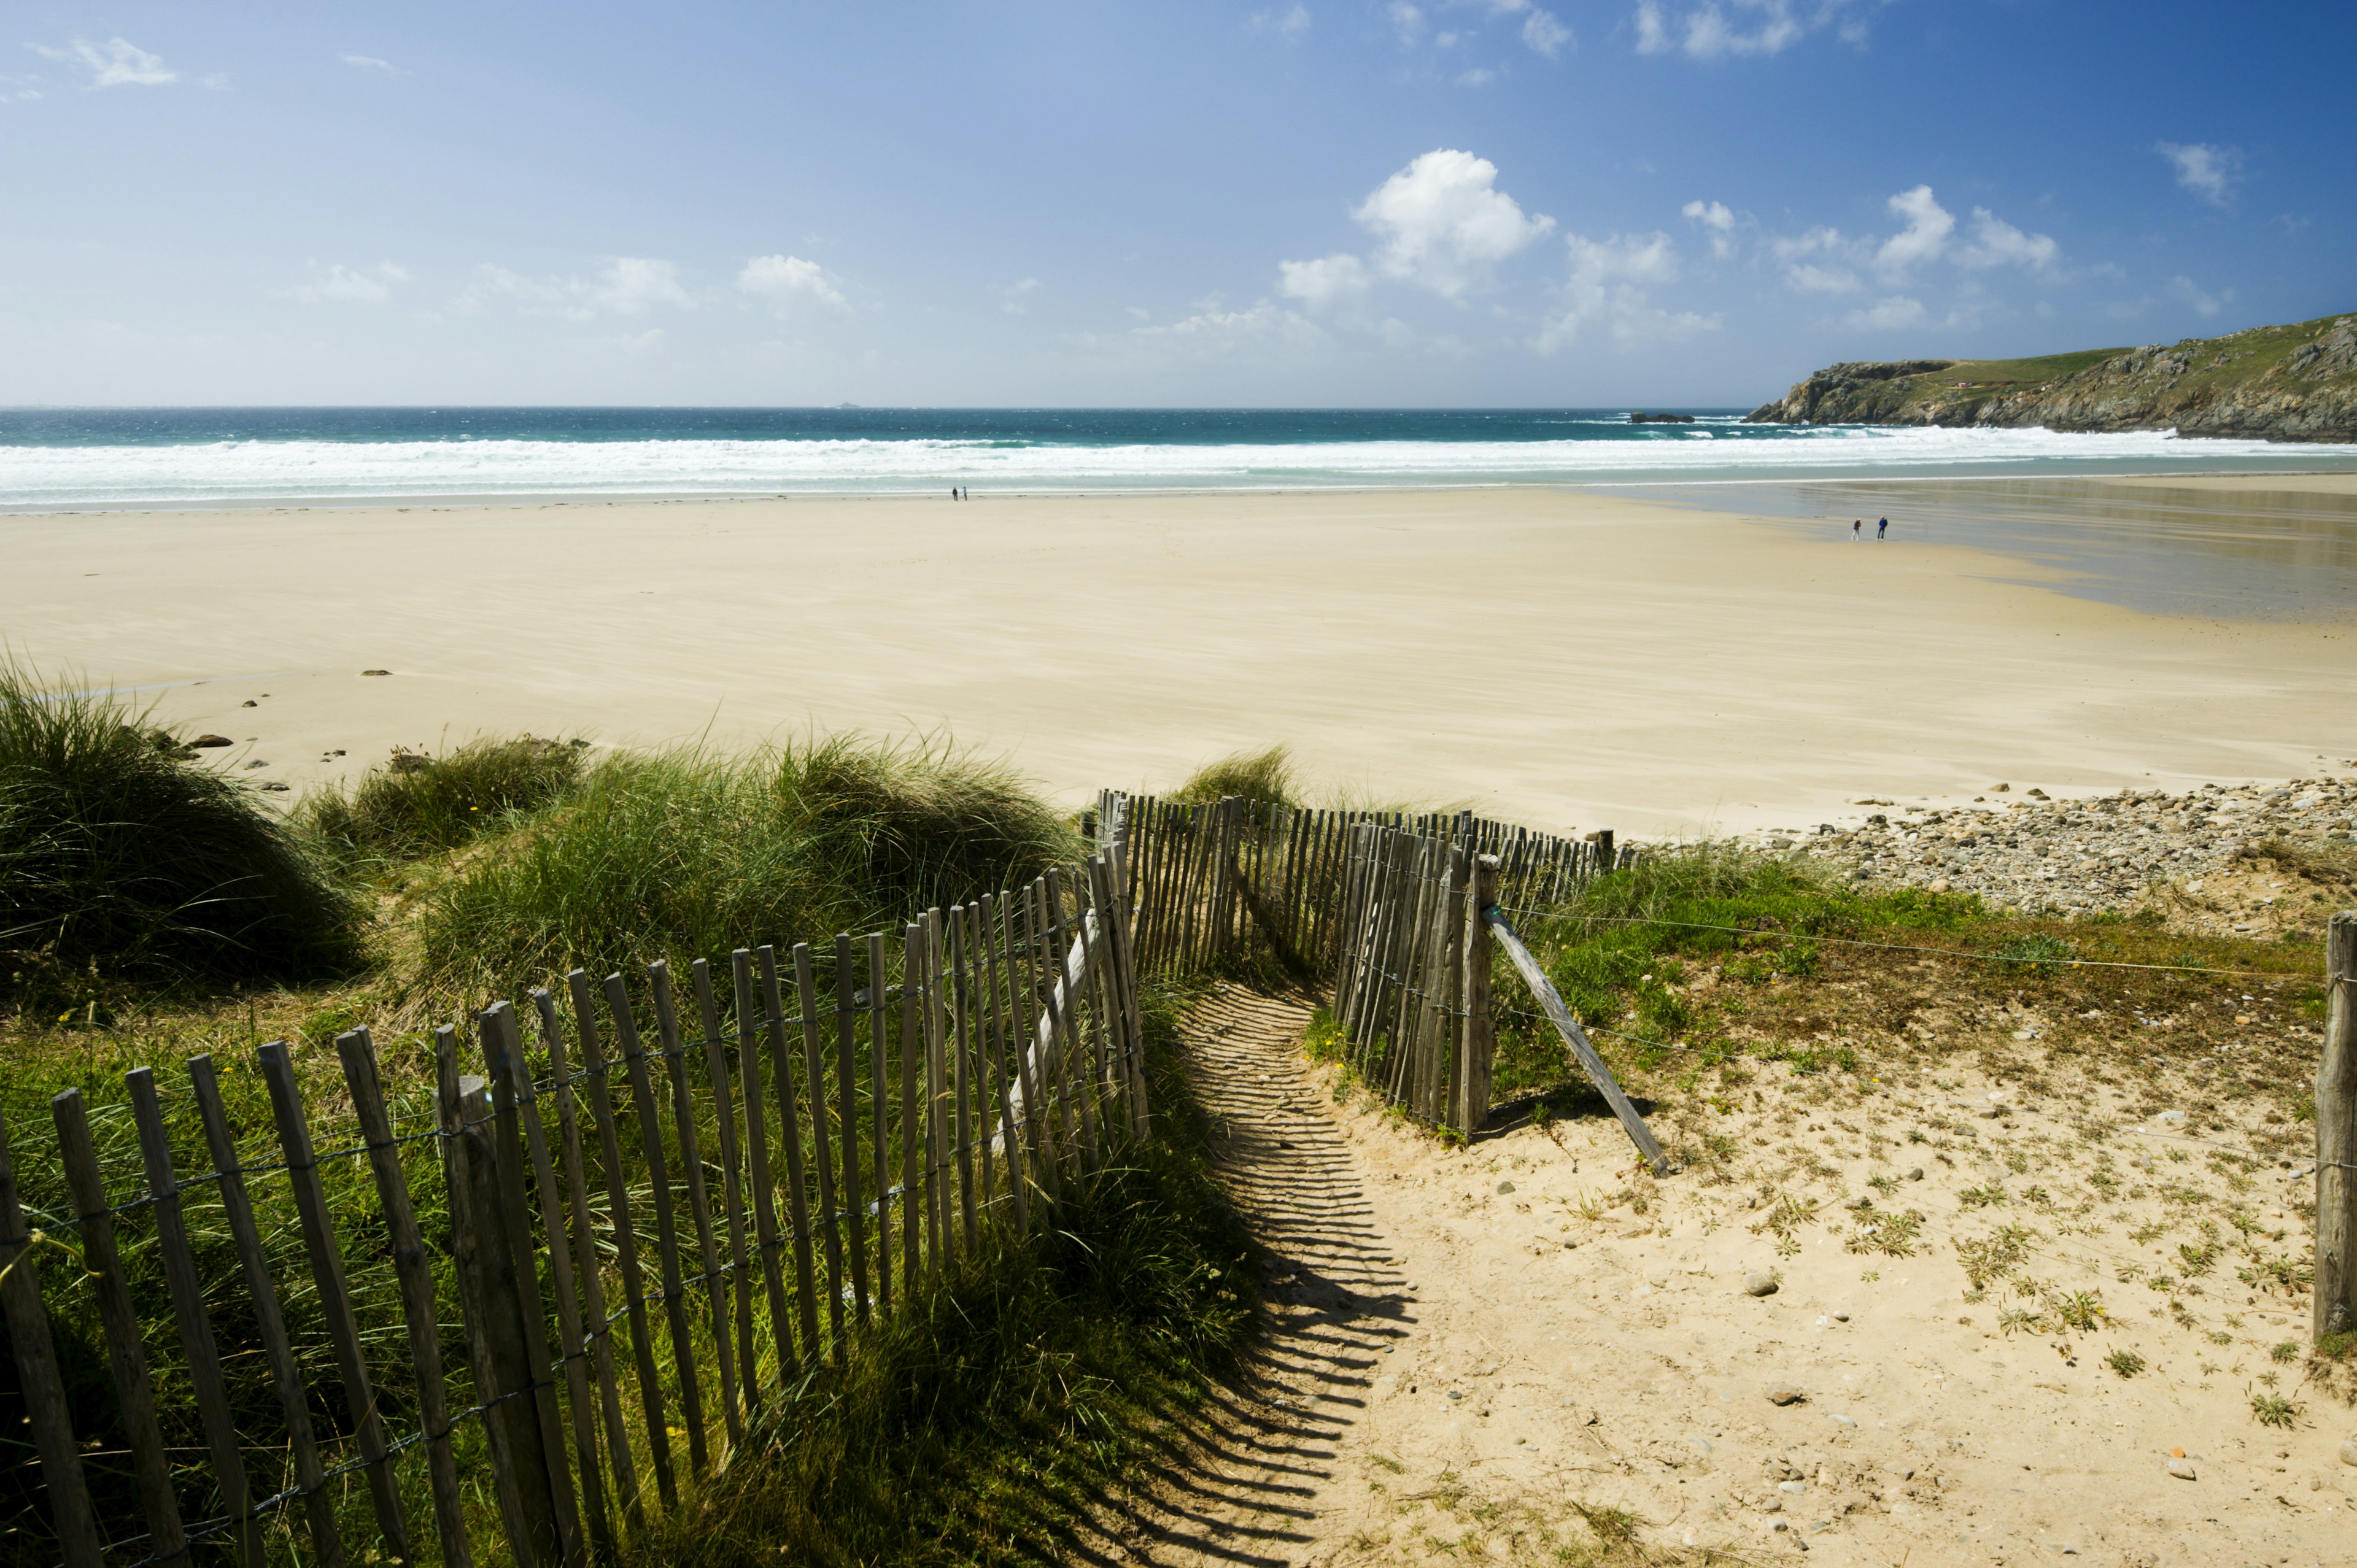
1557, 658
1476, 1354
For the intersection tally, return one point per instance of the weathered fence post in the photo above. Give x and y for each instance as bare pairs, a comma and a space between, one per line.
2334, 1307
37, 1373
495, 1328
1473, 1070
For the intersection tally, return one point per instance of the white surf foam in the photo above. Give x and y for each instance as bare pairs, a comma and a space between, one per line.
243, 472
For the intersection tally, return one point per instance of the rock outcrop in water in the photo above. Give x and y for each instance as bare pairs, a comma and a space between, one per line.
2272, 384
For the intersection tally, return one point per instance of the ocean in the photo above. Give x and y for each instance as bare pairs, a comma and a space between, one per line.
66, 460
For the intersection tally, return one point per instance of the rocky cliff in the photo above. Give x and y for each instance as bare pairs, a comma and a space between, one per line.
2275, 383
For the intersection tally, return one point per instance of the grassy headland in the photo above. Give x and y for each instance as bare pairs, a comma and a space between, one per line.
2296, 382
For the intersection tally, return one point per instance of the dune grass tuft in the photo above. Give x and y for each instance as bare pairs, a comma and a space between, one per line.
416, 803
1261, 777
119, 850
683, 855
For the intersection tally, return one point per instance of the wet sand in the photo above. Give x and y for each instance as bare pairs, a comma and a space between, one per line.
1567, 659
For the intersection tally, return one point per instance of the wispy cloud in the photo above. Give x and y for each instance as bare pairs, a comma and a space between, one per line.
369, 62
1712, 31
1888, 314
1015, 299
787, 281
1291, 24
2203, 302
1998, 243
2208, 171
349, 286
1719, 219
1609, 284
626, 285
1325, 284
118, 63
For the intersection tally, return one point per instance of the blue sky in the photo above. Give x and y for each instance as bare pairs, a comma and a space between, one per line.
1498, 202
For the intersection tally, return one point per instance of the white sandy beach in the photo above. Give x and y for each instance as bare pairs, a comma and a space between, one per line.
1557, 658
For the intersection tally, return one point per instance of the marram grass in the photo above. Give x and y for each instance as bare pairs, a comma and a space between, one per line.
121, 852
686, 854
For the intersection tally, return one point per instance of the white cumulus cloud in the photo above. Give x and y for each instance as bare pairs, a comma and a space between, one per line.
1444, 224
1611, 283
2209, 172
340, 284
785, 280
1929, 224
118, 63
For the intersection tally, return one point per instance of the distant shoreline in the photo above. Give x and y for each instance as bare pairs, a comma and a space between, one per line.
1607, 484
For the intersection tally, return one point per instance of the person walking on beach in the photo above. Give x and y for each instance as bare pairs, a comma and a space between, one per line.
1857, 525
1881, 528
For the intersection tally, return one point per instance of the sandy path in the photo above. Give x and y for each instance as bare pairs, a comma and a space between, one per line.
1491, 1354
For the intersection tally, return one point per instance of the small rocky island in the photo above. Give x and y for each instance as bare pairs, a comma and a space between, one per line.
1660, 419
2270, 383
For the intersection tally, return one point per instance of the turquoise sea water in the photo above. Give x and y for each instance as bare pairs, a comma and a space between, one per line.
74, 458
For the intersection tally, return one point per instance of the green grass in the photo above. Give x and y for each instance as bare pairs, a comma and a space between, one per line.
1703, 954
984, 1422
686, 855
2029, 371
416, 803
123, 856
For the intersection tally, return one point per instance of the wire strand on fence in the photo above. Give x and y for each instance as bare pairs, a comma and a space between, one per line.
1893, 947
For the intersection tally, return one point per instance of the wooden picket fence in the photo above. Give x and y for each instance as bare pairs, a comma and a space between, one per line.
628, 1262
1384, 907
1248, 886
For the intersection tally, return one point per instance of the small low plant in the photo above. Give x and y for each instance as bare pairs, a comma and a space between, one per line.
1892, 1235
2125, 1362
2034, 954
2082, 1310
2274, 1410
1995, 1255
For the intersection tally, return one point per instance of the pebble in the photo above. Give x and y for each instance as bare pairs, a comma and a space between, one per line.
2349, 1451
1786, 1393
211, 740
2182, 1469
1794, 1487
1759, 1284
1505, 1188
2089, 854
376, 672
